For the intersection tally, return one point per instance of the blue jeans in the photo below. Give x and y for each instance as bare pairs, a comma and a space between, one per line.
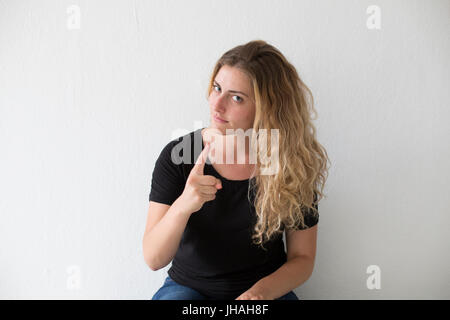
171, 290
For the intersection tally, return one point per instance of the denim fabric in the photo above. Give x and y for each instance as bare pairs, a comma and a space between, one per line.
171, 290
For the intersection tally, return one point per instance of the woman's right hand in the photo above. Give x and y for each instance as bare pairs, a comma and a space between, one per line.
199, 188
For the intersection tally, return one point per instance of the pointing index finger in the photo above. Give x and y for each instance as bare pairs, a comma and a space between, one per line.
201, 160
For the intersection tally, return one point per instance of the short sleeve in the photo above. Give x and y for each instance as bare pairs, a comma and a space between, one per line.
311, 218
167, 179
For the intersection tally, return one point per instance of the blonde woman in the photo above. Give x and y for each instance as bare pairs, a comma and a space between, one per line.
221, 223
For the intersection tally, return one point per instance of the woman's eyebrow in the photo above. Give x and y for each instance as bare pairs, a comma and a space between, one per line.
233, 91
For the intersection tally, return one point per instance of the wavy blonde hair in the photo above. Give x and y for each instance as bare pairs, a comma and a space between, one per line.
285, 103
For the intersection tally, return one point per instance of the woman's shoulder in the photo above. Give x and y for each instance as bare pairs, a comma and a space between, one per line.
181, 145
178, 155
185, 149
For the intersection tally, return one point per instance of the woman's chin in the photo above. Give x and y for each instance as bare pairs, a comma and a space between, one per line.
217, 128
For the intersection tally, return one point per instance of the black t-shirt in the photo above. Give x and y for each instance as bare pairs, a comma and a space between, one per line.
216, 255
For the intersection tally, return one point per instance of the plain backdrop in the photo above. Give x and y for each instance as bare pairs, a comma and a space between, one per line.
91, 91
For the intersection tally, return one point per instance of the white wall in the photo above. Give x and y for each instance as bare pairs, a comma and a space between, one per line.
85, 112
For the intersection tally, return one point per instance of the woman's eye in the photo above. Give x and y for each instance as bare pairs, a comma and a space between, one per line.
240, 99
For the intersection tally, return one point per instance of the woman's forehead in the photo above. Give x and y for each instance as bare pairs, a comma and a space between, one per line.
233, 79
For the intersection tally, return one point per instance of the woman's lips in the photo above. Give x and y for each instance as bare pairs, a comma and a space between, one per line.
219, 120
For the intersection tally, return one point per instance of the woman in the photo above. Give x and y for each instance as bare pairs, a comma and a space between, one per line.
222, 223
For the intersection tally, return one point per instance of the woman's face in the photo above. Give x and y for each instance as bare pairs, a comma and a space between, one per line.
232, 99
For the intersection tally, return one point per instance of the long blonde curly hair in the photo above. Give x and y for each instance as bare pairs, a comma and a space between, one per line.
285, 103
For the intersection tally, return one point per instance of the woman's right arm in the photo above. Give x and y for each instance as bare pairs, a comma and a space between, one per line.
166, 224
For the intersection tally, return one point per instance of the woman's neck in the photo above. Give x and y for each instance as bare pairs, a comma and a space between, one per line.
228, 149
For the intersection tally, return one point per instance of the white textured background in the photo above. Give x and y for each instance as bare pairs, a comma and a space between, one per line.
84, 114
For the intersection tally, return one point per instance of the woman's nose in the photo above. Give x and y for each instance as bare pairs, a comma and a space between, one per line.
219, 104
